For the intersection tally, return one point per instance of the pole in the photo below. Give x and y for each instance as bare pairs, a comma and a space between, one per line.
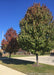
2, 35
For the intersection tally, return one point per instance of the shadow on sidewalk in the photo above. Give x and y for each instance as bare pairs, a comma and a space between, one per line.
14, 61
53, 61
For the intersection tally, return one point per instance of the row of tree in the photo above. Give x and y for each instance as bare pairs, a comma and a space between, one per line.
37, 32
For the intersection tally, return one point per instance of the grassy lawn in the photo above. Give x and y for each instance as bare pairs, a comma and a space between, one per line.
26, 66
24, 55
12, 55
19, 55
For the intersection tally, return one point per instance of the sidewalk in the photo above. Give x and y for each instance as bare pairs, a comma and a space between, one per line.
8, 71
42, 59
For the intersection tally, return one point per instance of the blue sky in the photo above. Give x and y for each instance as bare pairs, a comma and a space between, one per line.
12, 11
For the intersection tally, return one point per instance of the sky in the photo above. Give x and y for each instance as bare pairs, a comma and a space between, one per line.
12, 11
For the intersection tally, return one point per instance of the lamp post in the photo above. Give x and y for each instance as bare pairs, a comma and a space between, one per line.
2, 35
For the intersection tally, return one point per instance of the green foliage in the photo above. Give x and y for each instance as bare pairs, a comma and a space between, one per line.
36, 29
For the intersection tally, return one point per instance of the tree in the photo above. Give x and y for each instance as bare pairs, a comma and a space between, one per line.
36, 29
11, 33
10, 44
4, 44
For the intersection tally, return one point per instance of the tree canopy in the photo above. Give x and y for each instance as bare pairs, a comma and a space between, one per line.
36, 29
10, 44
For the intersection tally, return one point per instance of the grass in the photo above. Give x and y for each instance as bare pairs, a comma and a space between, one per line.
19, 55
26, 66
23, 55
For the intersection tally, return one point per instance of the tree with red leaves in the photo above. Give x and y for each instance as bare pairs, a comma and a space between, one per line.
11, 33
4, 44
10, 44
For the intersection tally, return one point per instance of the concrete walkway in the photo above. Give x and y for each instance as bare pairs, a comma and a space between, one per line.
8, 71
42, 59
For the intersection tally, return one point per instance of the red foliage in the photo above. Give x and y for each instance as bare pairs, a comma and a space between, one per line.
11, 33
4, 42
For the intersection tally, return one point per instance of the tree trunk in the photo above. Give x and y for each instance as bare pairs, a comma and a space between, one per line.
14, 53
9, 55
37, 59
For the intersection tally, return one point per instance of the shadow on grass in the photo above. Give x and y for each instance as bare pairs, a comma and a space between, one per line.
15, 61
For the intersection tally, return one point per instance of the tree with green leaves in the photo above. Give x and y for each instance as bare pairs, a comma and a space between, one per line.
36, 29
